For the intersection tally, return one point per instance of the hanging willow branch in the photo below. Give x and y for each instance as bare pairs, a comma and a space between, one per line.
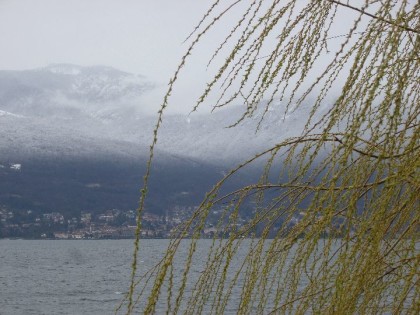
334, 220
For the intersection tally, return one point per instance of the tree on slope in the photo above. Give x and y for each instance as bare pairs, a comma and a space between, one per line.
352, 175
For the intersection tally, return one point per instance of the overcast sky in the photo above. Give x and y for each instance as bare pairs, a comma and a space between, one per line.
138, 36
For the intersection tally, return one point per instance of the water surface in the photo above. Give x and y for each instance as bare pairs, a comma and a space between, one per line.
67, 277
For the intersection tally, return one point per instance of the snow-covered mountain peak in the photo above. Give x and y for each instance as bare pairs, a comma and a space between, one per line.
104, 84
64, 89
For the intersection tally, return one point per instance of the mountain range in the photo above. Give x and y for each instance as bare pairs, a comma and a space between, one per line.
81, 138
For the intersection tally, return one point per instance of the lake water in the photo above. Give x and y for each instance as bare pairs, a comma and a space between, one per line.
67, 277
80, 277
77, 276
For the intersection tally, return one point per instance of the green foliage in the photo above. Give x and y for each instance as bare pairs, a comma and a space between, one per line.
354, 170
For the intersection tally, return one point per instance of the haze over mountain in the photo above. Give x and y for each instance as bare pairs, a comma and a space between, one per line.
53, 110
92, 129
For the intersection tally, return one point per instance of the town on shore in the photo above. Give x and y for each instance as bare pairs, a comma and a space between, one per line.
110, 224
122, 224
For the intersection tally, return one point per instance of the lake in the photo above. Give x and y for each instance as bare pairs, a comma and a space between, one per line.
67, 277
85, 276
76, 276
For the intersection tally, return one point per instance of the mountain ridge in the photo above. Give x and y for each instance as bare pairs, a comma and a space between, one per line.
108, 104
58, 115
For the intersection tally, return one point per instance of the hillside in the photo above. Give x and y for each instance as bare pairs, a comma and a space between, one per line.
82, 135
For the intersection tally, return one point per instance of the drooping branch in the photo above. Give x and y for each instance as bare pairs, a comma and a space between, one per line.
390, 22
337, 197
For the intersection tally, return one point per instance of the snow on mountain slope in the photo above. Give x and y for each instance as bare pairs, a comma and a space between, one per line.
69, 90
74, 110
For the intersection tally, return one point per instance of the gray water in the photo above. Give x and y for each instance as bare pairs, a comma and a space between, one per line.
80, 277
87, 276
75, 277
67, 277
